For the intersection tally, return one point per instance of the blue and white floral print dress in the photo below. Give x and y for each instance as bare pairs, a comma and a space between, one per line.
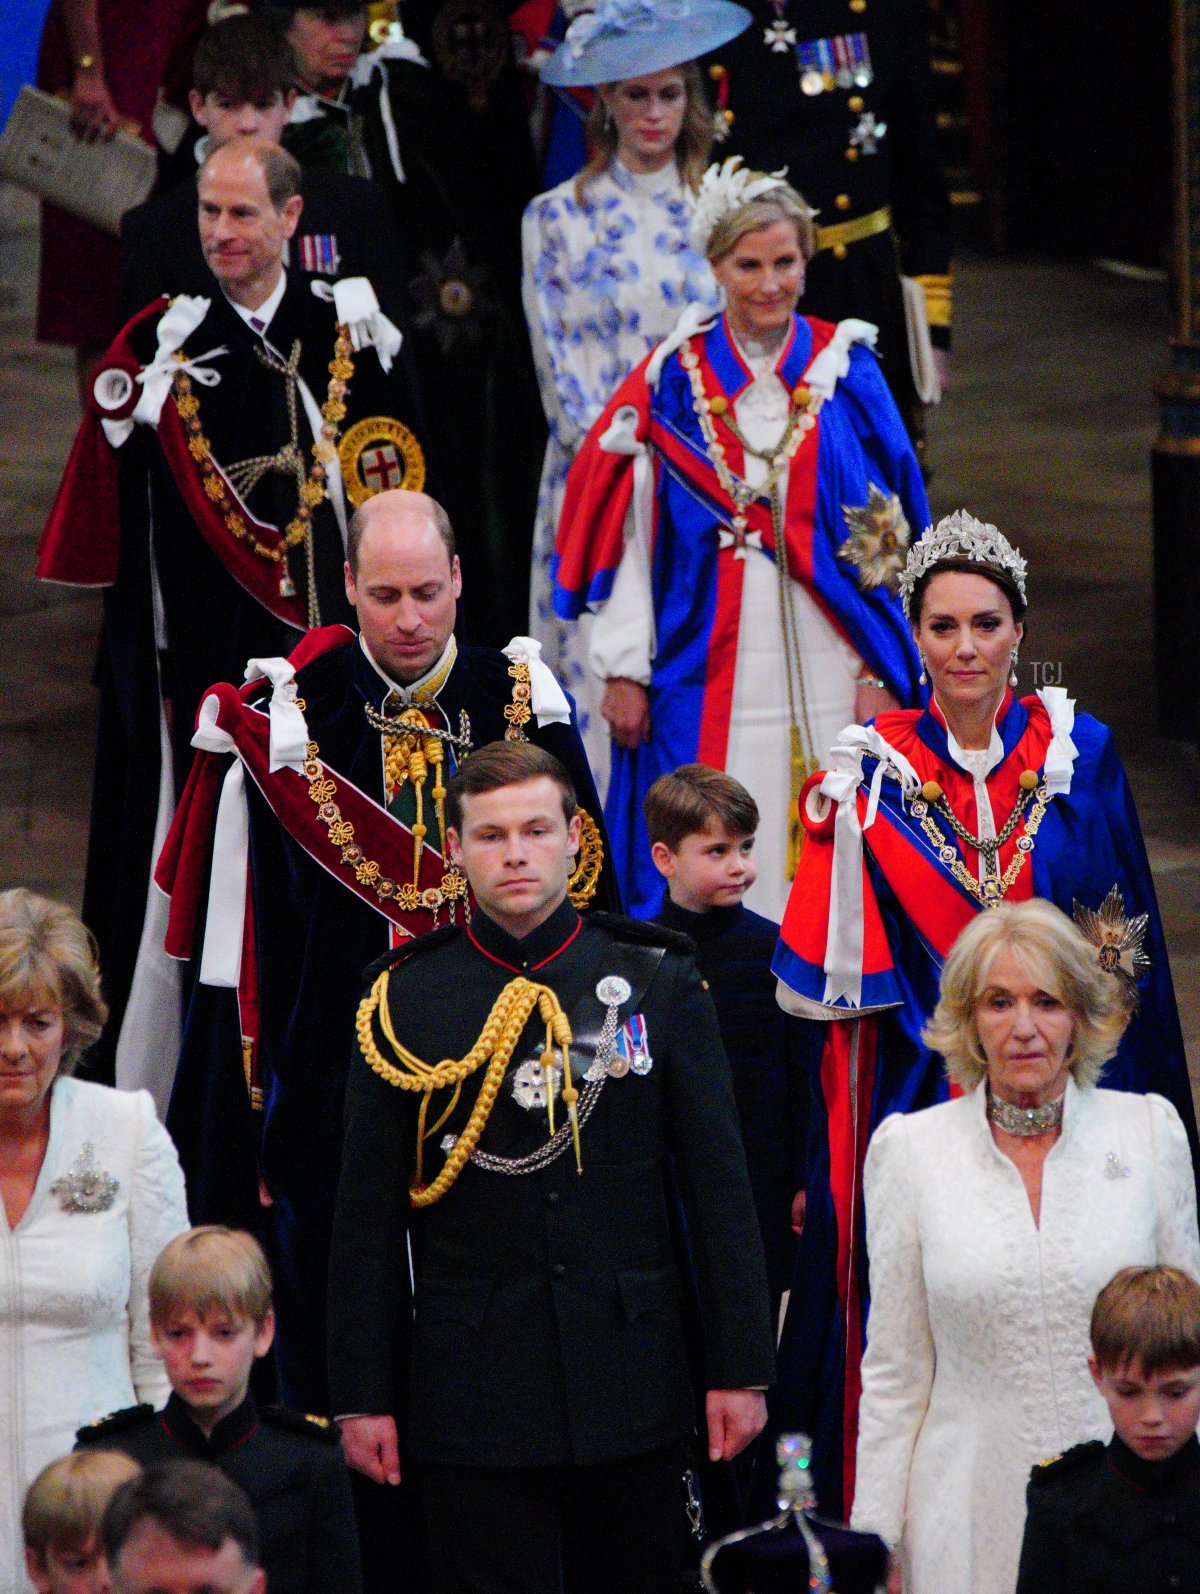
604, 282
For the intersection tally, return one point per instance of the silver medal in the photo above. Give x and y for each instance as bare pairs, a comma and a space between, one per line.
812, 83
613, 990
529, 1085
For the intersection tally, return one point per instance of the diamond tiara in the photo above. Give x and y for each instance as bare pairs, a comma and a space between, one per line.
961, 536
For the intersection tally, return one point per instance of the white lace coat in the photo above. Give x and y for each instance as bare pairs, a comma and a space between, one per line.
977, 1343
74, 1318
604, 282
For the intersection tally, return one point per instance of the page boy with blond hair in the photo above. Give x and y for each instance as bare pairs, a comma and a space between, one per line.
211, 1318
61, 1520
1126, 1515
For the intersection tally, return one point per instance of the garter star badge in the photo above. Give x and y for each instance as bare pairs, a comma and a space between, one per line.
878, 540
377, 454
1118, 939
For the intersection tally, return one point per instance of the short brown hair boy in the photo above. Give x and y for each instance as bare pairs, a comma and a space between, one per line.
211, 1269
689, 799
242, 59
66, 1502
1147, 1315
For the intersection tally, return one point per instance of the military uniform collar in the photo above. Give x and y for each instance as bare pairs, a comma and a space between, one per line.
534, 951
1154, 1477
701, 927
228, 1433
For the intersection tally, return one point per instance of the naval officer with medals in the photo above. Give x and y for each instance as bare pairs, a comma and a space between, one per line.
519, 1088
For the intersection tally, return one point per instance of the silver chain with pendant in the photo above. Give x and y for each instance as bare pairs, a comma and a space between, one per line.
561, 1140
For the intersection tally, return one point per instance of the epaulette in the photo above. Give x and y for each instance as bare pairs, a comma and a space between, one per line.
116, 1422
300, 1422
643, 930
1056, 1467
409, 949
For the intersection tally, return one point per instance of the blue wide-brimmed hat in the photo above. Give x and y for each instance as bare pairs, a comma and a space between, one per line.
629, 38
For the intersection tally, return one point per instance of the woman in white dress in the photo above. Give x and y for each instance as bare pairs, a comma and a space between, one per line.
92, 1191
994, 1220
608, 265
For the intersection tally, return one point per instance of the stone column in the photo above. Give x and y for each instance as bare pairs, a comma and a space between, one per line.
1176, 460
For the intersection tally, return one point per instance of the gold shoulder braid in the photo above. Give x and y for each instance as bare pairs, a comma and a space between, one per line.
498, 1038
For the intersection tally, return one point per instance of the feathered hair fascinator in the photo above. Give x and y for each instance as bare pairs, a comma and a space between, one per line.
725, 188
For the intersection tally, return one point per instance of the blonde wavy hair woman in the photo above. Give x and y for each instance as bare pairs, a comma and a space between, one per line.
91, 1189
993, 1222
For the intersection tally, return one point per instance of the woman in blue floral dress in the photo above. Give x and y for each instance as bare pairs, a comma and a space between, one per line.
607, 263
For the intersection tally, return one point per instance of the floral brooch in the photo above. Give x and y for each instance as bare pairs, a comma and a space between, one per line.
85, 1187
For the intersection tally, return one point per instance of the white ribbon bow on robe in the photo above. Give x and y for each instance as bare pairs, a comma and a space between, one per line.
546, 698
180, 319
354, 302
844, 939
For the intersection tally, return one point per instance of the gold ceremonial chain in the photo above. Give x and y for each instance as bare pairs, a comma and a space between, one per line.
991, 891
311, 490
518, 712
497, 1041
322, 789
802, 418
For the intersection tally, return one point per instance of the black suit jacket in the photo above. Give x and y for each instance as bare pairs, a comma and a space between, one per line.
290, 1466
548, 1328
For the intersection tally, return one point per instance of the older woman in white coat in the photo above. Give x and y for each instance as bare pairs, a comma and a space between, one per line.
994, 1220
90, 1192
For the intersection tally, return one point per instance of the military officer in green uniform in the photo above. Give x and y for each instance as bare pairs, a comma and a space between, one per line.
520, 1088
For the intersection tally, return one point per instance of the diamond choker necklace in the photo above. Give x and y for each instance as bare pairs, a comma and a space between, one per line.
1024, 1120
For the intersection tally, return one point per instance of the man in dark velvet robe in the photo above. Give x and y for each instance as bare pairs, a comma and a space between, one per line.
212, 510
336, 870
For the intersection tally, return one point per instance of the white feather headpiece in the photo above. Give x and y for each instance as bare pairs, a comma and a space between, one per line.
724, 189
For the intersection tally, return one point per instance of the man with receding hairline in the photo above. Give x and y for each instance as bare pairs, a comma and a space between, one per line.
347, 856
209, 493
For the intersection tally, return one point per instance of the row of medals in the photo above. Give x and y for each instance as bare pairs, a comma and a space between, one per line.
529, 1082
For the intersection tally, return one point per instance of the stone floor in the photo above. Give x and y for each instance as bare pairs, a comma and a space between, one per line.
1046, 431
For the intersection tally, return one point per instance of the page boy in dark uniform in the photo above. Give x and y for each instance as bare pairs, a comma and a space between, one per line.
543, 1387
210, 1318
446, 139
242, 87
701, 823
1105, 1519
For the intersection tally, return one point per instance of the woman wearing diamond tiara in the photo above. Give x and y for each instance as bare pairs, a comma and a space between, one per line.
608, 261
994, 1221
738, 516
920, 822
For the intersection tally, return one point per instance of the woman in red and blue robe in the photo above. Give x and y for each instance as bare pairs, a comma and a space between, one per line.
711, 651
884, 886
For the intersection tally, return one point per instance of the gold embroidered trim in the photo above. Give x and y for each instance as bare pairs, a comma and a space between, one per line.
312, 492
585, 876
322, 790
518, 712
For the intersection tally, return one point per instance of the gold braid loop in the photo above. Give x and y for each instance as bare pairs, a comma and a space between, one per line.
501, 1031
